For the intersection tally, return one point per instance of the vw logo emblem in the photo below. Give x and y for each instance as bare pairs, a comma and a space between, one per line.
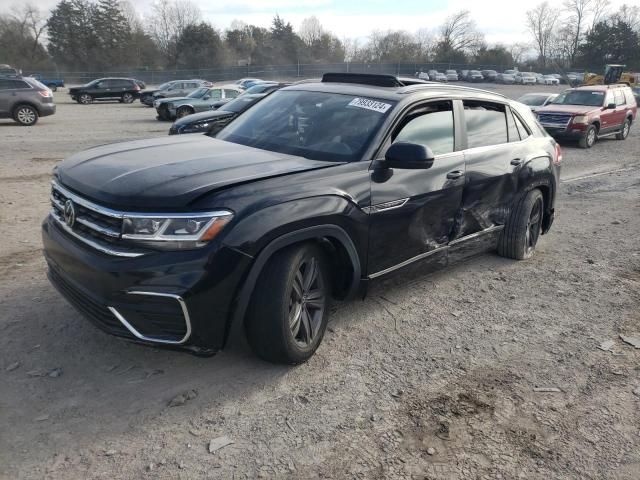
69, 213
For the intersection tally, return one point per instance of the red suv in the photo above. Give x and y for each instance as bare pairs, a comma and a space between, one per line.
588, 113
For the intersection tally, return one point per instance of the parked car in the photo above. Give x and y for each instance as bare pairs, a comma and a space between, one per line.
52, 83
511, 72
248, 82
489, 75
475, 76
506, 78
213, 121
312, 194
439, 77
452, 75
462, 74
550, 80
537, 100
423, 76
636, 93
125, 90
574, 78
24, 99
9, 70
199, 101
432, 74
174, 88
588, 113
525, 78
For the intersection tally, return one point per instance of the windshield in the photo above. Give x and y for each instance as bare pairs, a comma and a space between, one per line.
580, 97
315, 125
533, 100
260, 88
241, 103
164, 86
198, 93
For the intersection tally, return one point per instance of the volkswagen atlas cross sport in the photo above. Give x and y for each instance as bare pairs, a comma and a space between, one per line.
306, 197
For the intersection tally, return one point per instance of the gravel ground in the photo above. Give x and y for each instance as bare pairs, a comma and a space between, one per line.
430, 377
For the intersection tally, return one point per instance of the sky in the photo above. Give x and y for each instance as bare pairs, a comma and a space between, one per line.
500, 20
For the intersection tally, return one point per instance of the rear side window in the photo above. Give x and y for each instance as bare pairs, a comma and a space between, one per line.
431, 126
514, 135
486, 124
20, 84
619, 97
522, 129
6, 84
230, 93
217, 93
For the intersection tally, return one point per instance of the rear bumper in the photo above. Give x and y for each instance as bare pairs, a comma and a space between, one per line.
47, 109
181, 299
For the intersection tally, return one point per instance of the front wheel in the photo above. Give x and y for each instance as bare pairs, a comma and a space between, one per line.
287, 316
624, 132
520, 235
183, 112
589, 138
127, 98
85, 99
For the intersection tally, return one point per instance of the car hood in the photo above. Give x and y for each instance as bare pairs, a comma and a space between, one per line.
169, 173
574, 109
173, 99
203, 116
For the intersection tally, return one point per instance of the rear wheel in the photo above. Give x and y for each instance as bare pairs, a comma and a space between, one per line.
85, 99
183, 112
589, 138
520, 235
624, 132
287, 317
25, 115
54, 88
127, 98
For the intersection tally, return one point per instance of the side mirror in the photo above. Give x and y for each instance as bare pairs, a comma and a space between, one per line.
407, 155
610, 106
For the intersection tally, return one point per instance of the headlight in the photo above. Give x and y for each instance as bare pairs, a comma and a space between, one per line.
156, 103
581, 119
175, 232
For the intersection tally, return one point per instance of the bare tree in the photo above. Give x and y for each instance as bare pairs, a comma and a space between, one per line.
600, 10
32, 21
427, 43
311, 30
629, 14
518, 51
168, 21
460, 33
541, 22
578, 11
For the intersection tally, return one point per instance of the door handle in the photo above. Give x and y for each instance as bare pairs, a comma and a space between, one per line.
516, 161
455, 174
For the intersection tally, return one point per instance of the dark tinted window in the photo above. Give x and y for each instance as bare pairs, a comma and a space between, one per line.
6, 84
619, 97
431, 126
486, 124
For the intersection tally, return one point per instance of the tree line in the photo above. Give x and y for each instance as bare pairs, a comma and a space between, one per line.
110, 35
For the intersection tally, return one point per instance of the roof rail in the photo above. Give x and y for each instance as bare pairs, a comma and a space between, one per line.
376, 80
422, 86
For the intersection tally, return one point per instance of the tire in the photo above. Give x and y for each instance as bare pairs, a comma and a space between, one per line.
624, 132
520, 235
85, 99
127, 98
183, 112
54, 88
589, 138
163, 114
25, 115
288, 313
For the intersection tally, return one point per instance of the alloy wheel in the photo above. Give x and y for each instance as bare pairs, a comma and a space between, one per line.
127, 98
534, 225
307, 302
26, 116
625, 130
591, 137
85, 99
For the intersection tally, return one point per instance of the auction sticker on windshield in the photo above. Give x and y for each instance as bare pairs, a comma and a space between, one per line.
374, 105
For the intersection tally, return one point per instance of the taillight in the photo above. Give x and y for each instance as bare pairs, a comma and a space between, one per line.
558, 157
44, 93
136, 87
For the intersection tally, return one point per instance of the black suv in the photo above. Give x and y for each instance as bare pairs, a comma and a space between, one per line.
125, 90
308, 196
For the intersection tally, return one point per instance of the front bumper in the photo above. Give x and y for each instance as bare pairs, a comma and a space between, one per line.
571, 131
182, 299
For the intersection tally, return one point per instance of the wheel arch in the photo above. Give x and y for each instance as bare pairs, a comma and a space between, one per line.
22, 104
540, 177
332, 238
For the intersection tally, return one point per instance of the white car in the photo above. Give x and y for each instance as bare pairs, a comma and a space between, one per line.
452, 75
551, 80
526, 78
537, 100
423, 76
439, 77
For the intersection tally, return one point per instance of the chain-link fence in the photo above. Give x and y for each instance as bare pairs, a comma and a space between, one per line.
276, 72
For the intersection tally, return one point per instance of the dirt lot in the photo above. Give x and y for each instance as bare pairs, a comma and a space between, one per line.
432, 376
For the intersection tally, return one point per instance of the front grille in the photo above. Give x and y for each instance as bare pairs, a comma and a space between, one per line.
96, 226
555, 119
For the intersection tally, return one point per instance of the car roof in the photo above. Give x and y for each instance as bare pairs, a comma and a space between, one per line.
601, 88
